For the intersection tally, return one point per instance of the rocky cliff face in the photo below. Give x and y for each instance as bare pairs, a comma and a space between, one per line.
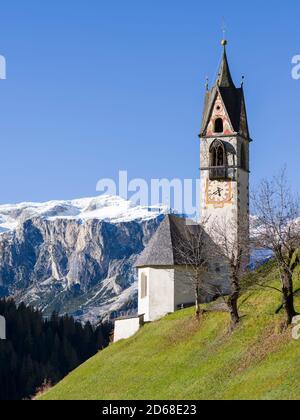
74, 258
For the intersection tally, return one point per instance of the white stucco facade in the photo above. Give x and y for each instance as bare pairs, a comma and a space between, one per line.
169, 288
159, 300
2, 328
127, 327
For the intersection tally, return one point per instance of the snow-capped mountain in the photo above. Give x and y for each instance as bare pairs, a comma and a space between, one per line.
74, 256
106, 208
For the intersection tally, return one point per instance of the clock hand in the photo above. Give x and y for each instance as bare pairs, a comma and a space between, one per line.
218, 192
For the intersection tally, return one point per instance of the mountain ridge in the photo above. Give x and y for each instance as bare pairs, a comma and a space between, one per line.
113, 209
75, 257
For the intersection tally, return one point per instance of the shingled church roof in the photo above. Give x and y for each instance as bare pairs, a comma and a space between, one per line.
162, 250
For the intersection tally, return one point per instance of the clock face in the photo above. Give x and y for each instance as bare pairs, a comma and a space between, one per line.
218, 193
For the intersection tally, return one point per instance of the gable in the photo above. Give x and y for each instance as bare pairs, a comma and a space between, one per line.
218, 110
228, 104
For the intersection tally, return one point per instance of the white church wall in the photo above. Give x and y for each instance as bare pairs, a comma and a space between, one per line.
125, 328
161, 289
160, 297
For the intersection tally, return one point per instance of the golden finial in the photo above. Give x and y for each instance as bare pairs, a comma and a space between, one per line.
224, 42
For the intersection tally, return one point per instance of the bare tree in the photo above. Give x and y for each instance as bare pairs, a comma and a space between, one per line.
232, 252
193, 248
277, 228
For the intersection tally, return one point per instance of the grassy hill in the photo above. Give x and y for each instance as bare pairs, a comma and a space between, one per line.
176, 358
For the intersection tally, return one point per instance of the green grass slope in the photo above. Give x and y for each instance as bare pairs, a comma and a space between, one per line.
176, 358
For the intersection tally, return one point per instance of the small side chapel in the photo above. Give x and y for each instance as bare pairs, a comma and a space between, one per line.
224, 160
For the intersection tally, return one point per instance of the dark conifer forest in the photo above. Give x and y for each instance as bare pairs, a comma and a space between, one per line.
42, 351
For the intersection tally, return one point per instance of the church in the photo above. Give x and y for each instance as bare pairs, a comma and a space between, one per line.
225, 168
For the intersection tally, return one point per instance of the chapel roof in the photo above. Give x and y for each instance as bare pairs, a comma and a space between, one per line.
164, 249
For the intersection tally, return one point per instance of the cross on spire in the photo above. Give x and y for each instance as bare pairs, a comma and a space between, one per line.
224, 28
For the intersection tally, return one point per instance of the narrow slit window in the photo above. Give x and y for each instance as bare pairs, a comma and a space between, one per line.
144, 286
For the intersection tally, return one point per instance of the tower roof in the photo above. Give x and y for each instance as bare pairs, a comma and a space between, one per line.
232, 97
224, 76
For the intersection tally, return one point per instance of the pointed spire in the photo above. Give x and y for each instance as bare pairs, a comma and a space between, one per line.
224, 76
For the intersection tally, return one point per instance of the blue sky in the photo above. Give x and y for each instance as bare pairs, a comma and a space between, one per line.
94, 87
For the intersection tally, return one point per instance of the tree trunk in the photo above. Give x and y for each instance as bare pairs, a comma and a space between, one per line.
288, 296
233, 303
197, 306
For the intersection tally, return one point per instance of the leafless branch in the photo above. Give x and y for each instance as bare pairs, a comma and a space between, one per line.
277, 228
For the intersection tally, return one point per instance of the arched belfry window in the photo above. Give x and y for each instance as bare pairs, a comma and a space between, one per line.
219, 126
217, 154
218, 160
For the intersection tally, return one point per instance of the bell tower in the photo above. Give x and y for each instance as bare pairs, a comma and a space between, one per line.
224, 155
